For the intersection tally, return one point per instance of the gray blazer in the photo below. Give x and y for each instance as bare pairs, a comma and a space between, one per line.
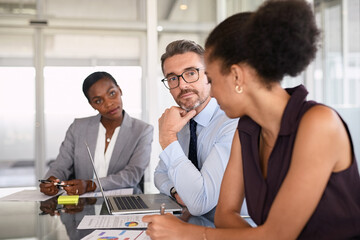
129, 159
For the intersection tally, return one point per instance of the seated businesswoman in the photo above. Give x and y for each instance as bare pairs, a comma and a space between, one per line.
292, 158
119, 144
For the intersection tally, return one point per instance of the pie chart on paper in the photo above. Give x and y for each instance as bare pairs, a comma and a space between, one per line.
131, 224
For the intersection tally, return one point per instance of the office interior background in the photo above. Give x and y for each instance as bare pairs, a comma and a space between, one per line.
48, 47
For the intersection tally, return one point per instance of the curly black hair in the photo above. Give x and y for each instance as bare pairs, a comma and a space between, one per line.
278, 39
226, 43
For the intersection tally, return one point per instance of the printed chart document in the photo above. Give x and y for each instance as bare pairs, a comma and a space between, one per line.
117, 234
112, 221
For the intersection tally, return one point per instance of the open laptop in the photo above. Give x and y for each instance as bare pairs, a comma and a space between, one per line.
137, 203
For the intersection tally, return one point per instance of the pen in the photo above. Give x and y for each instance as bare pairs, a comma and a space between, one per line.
162, 209
44, 181
56, 184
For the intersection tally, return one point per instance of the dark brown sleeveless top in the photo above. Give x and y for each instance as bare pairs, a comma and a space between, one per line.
337, 215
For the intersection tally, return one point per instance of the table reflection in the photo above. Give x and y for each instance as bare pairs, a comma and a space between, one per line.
51, 207
71, 215
47, 220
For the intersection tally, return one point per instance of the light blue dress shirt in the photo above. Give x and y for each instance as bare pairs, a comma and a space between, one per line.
199, 190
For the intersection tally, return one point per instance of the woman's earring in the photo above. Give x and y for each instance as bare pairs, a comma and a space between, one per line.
238, 89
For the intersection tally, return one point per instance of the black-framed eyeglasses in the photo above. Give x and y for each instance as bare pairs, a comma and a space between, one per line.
173, 81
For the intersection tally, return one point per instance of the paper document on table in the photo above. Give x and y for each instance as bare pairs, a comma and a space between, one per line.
28, 196
116, 192
112, 221
117, 234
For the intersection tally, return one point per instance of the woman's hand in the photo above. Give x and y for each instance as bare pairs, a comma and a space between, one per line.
51, 188
165, 227
78, 186
74, 187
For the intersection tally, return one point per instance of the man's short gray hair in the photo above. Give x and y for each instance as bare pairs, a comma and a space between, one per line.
180, 47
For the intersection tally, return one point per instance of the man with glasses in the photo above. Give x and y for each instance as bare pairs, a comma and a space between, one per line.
195, 137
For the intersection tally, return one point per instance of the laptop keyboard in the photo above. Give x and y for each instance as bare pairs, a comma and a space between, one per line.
130, 202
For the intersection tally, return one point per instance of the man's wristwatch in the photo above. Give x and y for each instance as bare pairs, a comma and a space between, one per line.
173, 192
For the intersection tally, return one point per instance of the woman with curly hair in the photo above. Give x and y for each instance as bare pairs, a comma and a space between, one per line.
292, 158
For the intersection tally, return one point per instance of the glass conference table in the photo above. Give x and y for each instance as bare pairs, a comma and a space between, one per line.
44, 220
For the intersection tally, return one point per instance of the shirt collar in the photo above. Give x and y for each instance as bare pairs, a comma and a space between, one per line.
204, 117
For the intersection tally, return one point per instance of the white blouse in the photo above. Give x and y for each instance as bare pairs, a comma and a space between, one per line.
102, 158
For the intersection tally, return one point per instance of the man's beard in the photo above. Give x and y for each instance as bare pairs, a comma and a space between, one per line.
196, 104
